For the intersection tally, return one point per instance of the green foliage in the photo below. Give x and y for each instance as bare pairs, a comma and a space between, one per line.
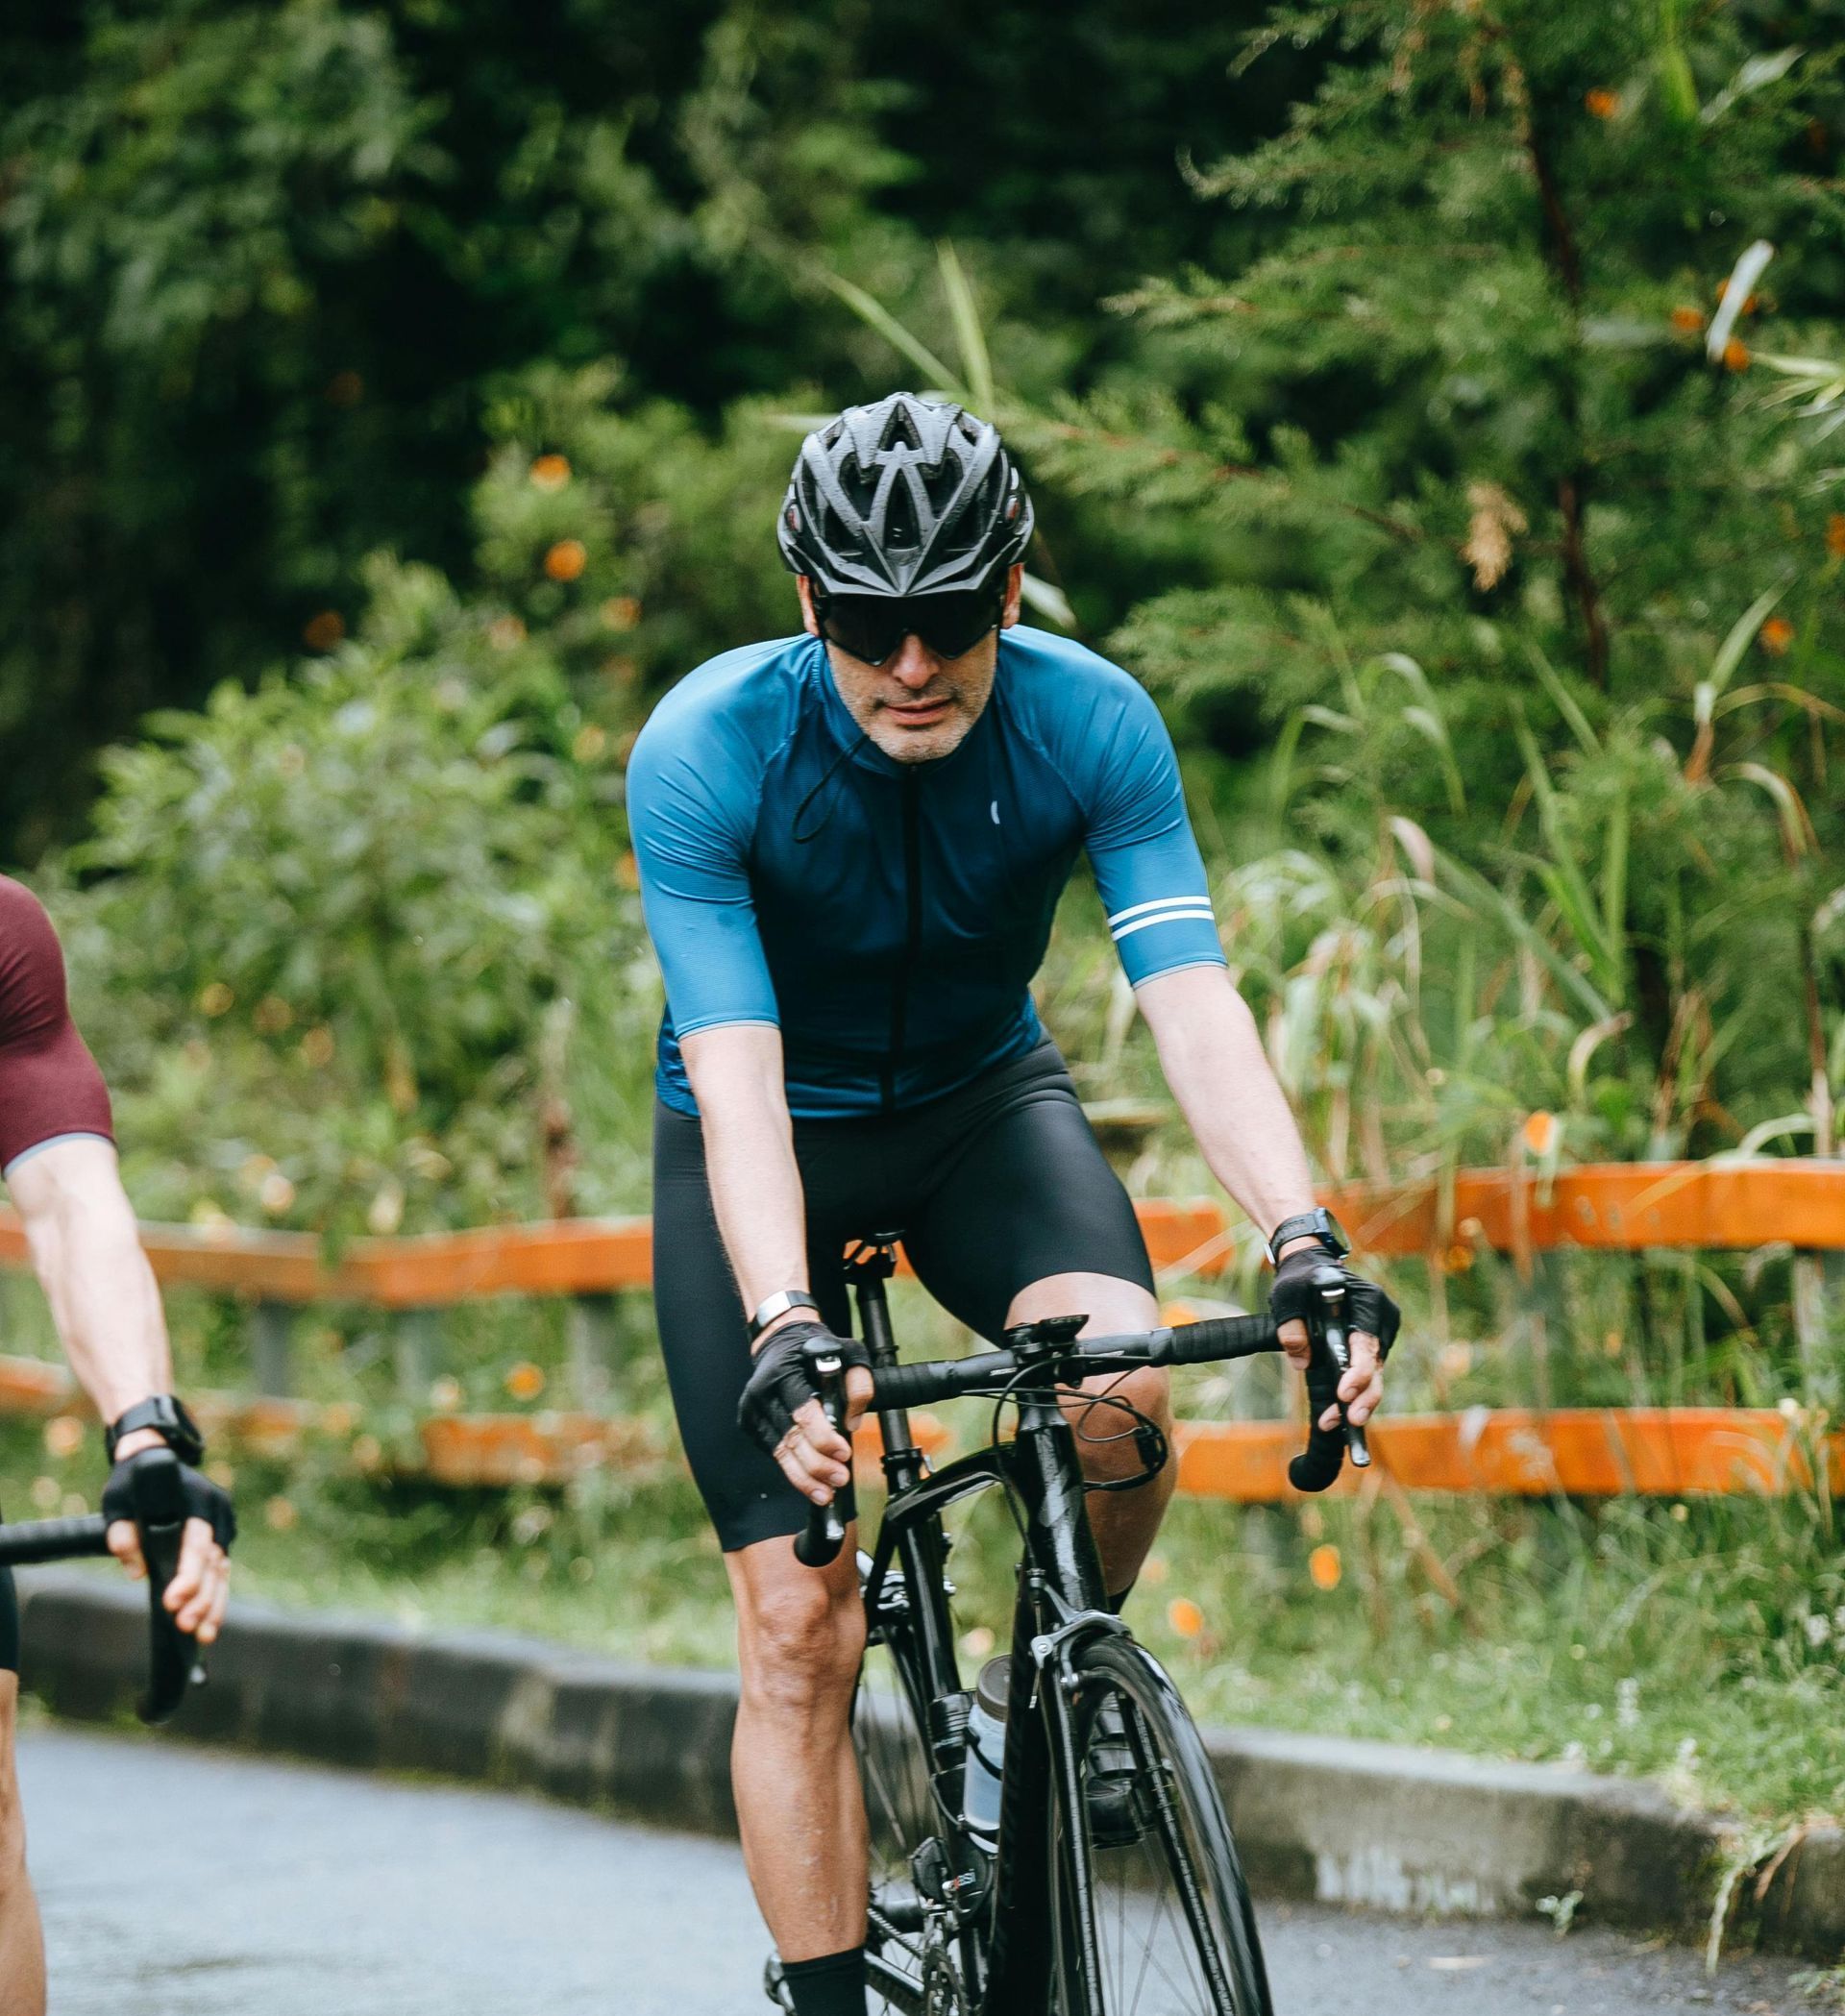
267, 267
347, 917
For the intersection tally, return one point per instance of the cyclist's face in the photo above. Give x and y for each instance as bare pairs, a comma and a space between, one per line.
918, 706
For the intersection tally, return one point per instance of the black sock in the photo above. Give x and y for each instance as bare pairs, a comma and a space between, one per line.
833, 1985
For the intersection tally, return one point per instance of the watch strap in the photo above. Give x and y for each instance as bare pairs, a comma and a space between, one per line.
773, 1307
1318, 1223
168, 1418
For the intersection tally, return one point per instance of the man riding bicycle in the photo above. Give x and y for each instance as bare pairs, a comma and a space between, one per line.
852, 845
58, 1158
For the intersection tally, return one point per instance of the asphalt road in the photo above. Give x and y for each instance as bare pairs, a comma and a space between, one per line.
187, 1882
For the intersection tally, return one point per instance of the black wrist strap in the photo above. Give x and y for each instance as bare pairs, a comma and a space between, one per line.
1318, 1223
168, 1418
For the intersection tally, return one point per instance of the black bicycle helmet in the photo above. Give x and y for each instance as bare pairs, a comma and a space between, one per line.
905, 496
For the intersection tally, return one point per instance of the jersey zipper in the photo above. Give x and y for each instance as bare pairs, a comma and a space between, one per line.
912, 934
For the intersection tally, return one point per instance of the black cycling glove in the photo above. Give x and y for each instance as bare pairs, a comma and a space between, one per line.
1367, 1307
782, 1381
204, 1499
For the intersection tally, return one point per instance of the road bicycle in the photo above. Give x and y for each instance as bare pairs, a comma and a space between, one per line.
159, 1497
1094, 1873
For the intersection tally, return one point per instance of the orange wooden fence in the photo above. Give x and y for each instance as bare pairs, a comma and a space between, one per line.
1618, 1207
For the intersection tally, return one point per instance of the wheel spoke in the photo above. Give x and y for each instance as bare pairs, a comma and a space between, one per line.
1171, 1918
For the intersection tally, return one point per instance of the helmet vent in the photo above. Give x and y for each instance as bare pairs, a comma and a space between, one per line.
900, 528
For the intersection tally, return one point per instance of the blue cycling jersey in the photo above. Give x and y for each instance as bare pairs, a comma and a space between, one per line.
888, 917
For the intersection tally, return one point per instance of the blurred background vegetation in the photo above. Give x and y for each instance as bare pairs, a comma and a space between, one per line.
1440, 406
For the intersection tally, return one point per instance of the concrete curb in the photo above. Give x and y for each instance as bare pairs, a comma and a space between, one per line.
1363, 1823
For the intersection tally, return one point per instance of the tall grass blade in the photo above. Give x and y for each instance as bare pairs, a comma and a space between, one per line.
976, 367
876, 315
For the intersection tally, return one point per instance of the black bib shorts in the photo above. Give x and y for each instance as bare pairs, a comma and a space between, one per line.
993, 1186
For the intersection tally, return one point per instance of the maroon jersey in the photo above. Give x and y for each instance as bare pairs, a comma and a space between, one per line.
49, 1083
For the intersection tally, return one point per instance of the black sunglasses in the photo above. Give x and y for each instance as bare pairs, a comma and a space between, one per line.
873, 628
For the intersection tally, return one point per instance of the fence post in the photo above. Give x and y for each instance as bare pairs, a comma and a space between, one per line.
1816, 1299
416, 1345
592, 1332
270, 1325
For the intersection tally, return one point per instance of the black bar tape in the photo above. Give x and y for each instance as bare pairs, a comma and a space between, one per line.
1219, 1337
52, 1540
1319, 1464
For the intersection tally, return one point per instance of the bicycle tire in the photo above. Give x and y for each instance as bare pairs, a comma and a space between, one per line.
1170, 1929
912, 1968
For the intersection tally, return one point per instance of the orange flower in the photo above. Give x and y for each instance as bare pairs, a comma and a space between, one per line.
526, 1381
1749, 307
323, 631
1457, 1259
1322, 1566
1540, 1132
550, 473
63, 1435
1688, 321
1777, 634
1602, 104
1185, 1616
621, 612
1836, 535
1735, 354
566, 561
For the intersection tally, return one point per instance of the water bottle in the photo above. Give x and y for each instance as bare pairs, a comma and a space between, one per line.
986, 1748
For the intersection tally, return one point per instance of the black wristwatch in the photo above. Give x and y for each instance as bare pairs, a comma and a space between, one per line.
168, 1419
1318, 1223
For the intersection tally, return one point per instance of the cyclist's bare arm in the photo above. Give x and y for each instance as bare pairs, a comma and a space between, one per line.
1211, 1052
736, 1074
86, 1253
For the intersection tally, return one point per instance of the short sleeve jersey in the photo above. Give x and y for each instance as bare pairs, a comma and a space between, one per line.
49, 1083
888, 918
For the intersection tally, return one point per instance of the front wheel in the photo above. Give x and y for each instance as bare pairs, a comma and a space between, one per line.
1151, 1915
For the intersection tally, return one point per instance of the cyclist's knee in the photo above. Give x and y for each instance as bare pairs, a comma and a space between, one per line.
1105, 1432
801, 1636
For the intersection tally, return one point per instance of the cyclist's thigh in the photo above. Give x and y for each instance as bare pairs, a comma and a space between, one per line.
705, 1342
1024, 1193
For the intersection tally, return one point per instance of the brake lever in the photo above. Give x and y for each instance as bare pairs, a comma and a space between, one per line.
1331, 1284
817, 1545
174, 1660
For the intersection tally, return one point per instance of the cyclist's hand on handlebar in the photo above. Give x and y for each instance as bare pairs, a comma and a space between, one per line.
780, 1408
196, 1594
1372, 1321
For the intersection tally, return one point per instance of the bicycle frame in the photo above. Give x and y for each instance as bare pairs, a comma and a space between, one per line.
1061, 1599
